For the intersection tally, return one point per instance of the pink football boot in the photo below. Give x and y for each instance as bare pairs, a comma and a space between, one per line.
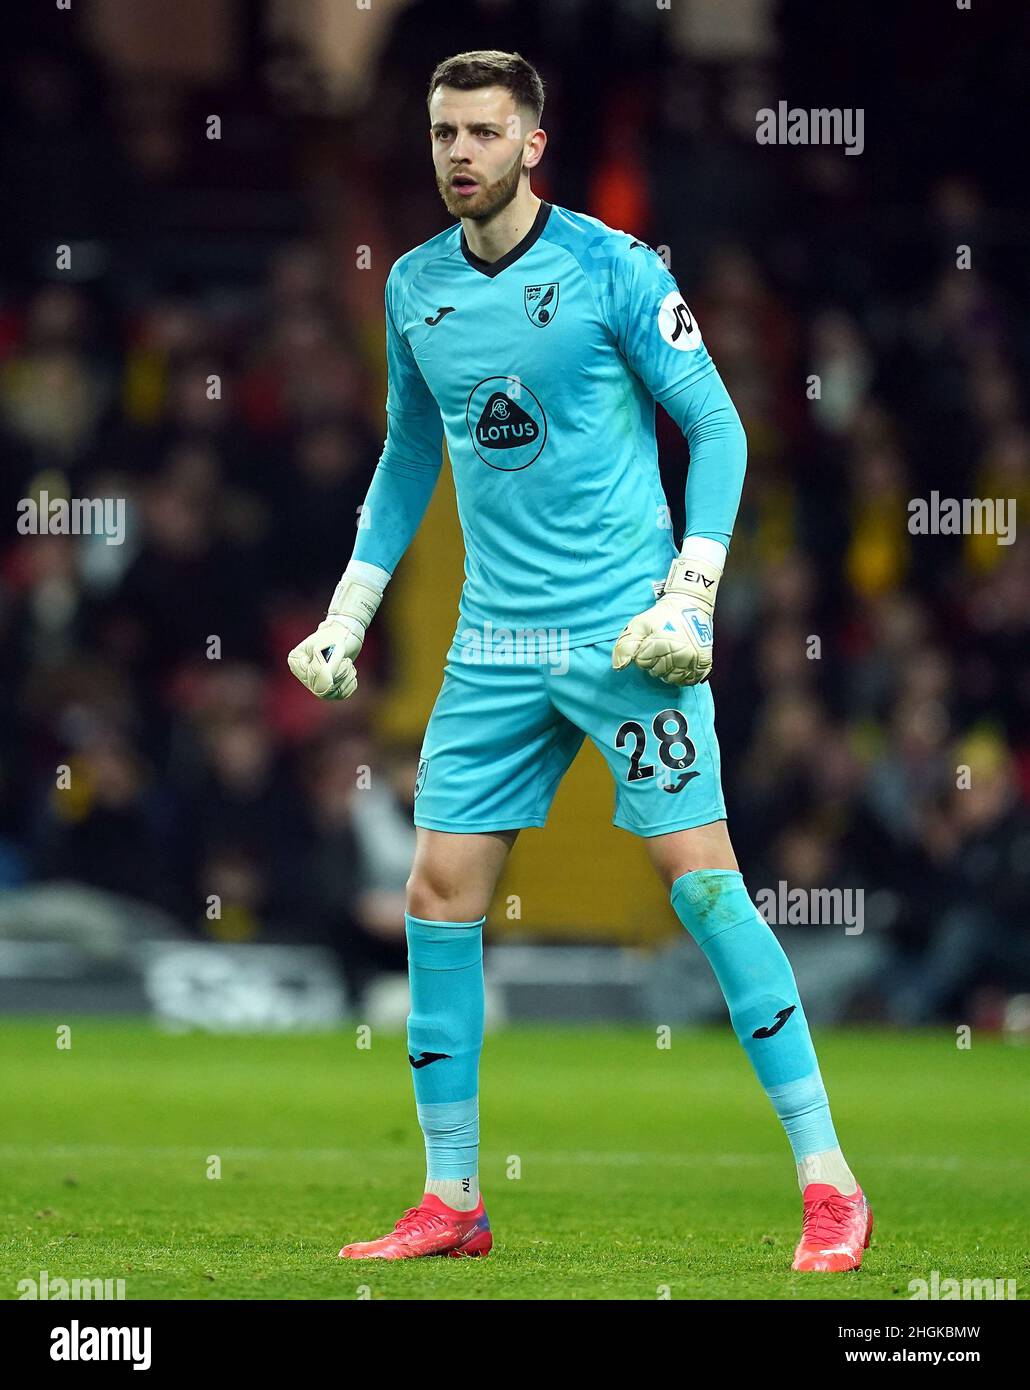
431, 1228
835, 1230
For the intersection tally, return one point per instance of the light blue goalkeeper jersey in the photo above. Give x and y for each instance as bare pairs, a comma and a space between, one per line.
542, 370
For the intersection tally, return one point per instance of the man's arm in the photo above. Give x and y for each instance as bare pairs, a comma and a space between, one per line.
391, 513
718, 456
412, 454
661, 340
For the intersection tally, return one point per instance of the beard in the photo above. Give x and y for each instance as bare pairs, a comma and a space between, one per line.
490, 198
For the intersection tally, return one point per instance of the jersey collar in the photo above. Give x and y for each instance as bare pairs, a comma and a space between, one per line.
492, 268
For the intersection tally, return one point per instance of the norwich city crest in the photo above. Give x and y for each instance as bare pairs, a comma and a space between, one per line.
541, 303
420, 776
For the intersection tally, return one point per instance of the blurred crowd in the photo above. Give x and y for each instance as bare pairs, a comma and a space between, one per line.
872, 685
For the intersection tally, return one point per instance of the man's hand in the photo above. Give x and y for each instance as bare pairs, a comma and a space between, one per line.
673, 640
324, 662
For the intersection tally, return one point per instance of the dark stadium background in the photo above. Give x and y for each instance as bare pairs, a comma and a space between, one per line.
260, 257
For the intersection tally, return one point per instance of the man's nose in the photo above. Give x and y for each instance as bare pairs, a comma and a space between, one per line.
458, 155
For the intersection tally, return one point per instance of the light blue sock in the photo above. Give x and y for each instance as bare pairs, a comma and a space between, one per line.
445, 1038
761, 993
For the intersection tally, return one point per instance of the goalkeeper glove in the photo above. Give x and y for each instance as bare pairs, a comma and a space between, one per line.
673, 640
324, 662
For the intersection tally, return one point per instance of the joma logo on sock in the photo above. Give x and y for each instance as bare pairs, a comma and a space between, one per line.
784, 906
424, 1058
781, 1018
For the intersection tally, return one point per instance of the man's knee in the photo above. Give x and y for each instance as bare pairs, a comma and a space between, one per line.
436, 894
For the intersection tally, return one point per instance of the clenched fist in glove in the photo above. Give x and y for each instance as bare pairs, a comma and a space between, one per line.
673, 640
324, 662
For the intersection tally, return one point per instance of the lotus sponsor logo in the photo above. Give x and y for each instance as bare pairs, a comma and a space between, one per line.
506, 422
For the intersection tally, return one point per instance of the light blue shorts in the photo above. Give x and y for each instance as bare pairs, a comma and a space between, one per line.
502, 735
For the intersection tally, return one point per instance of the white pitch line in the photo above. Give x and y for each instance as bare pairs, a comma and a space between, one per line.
600, 1158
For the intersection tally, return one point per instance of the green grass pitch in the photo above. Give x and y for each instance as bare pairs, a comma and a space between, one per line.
612, 1169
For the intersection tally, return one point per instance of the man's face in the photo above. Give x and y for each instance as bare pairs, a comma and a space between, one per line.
478, 149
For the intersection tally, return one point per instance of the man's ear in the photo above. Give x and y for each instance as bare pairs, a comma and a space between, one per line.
530, 160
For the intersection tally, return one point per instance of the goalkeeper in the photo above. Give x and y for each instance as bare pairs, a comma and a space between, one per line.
537, 340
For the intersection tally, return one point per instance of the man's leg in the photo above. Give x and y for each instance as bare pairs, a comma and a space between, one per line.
659, 742
700, 870
493, 754
448, 894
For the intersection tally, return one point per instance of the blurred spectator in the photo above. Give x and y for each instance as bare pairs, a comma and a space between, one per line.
977, 843
214, 358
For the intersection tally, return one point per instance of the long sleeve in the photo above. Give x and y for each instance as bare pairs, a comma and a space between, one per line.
412, 454
661, 340
718, 456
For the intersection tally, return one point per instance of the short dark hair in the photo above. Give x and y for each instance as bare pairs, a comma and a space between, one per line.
489, 67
